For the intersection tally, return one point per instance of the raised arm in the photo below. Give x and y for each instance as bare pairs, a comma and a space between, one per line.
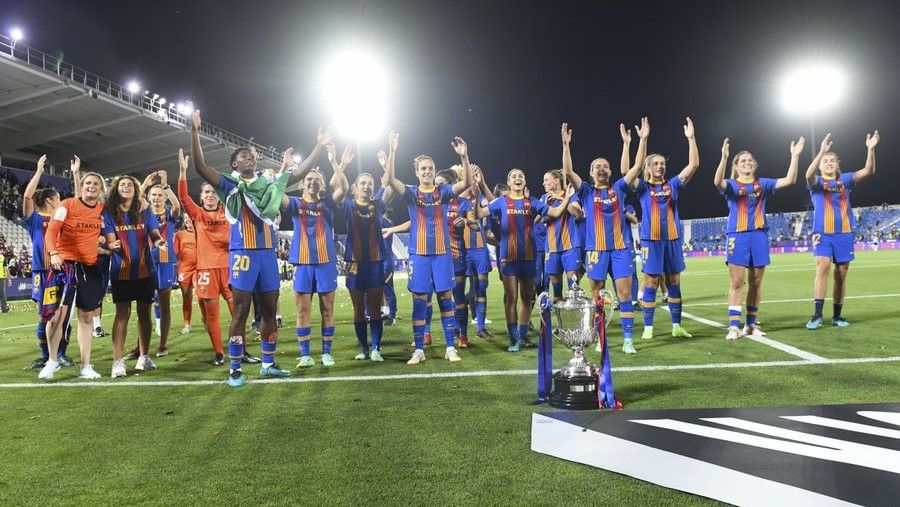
404, 227
559, 209
148, 180
324, 137
625, 162
389, 194
478, 178
462, 149
791, 177
643, 133
389, 169
28, 195
339, 183
75, 168
568, 167
693, 154
824, 148
206, 172
190, 207
170, 195
869, 169
719, 178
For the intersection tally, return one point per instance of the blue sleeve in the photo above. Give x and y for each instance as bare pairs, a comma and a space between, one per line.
539, 207
409, 194
584, 191
150, 220
225, 184
446, 193
676, 183
729, 190
109, 226
768, 185
847, 179
620, 186
293, 205
465, 206
347, 205
494, 208
379, 194
816, 188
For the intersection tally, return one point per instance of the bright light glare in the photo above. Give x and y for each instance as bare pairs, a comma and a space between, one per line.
134, 86
17, 34
813, 88
296, 159
354, 90
185, 108
162, 101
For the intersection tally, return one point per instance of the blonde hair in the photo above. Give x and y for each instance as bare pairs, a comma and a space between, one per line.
102, 183
734, 174
836, 157
647, 163
420, 158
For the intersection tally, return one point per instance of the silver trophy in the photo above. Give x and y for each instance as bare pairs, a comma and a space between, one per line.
575, 384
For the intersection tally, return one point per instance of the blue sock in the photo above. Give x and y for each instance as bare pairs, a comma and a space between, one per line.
328, 336
626, 316
634, 285
429, 312
513, 330
462, 308
557, 289
64, 343
649, 304
235, 352
360, 329
303, 340
675, 302
391, 297
751, 315
42, 339
819, 304
268, 346
523, 332
481, 302
156, 310
418, 316
448, 320
734, 316
837, 308
377, 327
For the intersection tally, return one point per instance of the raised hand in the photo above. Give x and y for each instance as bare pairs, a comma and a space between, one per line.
382, 158
644, 130
566, 133
195, 120
393, 140
826, 143
872, 140
325, 136
182, 161
459, 146
689, 128
163, 177
726, 147
625, 133
287, 157
41, 162
797, 147
346, 157
477, 177
75, 164
332, 154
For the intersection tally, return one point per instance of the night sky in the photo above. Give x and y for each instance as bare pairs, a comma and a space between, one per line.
504, 75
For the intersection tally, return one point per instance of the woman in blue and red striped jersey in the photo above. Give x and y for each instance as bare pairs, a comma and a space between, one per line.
606, 237
834, 224
127, 225
314, 255
562, 240
516, 215
164, 260
431, 266
478, 259
661, 234
364, 253
748, 231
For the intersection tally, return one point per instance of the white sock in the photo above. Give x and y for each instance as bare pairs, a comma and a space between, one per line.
267, 365
97, 322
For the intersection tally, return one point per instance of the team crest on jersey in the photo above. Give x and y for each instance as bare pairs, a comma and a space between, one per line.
755, 190
835, 186
809, 455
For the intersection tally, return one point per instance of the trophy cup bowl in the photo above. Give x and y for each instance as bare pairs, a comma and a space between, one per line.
575, 384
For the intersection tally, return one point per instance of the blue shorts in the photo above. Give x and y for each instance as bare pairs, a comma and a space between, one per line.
558, 263
478, 262
165, 275
430, 272
254, 270
315, 278
837, 247
662, 256
520, 269
615, 263
38, 286
459, 265
365, 275
749, 249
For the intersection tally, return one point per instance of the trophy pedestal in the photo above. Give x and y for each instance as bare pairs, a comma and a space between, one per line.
574, 393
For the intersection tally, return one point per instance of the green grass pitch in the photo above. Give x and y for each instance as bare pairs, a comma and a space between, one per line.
179, 436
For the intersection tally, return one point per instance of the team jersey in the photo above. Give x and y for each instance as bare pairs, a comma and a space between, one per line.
132, 261
388, 242
473, 239
562, 232
364, 242
429, 232
452, 212
516, 218
539, 236
659, 209
167, 231
212, 231
747, 204
74, 229
249, 232
185, 246
604, 216
313, 241
629, 237
36, 224
831, 204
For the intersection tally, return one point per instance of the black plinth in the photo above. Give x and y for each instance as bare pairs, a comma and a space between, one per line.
574, 393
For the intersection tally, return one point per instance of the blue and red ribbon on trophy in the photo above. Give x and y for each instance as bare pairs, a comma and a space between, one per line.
545, 351
606, 397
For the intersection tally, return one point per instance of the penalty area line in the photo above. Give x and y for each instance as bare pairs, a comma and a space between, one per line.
442, 375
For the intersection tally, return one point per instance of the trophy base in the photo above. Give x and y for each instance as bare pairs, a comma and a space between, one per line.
574, 393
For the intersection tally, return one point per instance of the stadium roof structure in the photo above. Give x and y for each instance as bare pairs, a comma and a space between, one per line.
50, 106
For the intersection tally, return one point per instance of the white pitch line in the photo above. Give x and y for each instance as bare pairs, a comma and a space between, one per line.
790, 268
789, 349
804, 300
420, 376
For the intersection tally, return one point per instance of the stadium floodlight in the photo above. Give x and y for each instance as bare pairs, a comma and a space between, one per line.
16, 34
812, 88
354, 88
133, 86
162, 101
185, 108
296, 159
